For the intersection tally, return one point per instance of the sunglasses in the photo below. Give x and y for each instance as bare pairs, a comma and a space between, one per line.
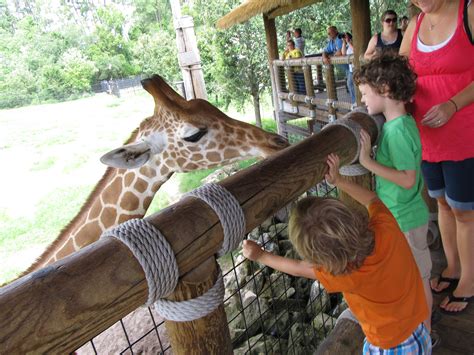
391, 20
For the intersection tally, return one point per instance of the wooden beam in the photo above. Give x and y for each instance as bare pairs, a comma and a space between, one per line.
295, 5
361, 31
272, 52
60, 307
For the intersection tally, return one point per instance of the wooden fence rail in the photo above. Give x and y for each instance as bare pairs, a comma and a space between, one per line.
60, 307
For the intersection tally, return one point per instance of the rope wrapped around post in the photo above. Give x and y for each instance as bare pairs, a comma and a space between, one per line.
158, 261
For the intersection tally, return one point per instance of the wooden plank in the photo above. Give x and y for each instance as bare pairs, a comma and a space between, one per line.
455, 339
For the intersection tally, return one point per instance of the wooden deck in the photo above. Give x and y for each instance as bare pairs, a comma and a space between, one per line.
456, 332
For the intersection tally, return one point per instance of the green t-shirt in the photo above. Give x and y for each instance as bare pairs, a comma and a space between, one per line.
400, 148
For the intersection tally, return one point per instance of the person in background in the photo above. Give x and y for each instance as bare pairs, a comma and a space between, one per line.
348, 49
294, 53
389, 39
333, 46
299, 40
288, 35
440, 45
350, 253
404, 24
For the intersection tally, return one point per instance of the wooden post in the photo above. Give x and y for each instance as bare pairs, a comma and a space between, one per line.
60, 307
346, 338
331, 90
272, 50
364, 180
308, 81
360, 12
188, 54
207, 335
319, 75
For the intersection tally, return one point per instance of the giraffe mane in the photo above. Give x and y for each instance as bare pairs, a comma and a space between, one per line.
63, 236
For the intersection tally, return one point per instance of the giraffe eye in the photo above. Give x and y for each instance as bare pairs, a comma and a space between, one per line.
196, 136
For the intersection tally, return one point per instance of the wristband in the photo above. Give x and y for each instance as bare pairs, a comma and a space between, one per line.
456, 106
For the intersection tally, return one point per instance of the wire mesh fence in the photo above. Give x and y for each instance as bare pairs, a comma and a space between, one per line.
268, 312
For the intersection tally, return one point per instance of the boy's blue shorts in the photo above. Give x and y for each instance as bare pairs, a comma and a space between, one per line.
453, 180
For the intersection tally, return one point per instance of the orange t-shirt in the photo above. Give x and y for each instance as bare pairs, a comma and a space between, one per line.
386, 293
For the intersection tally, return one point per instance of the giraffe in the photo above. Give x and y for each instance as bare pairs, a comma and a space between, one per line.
181, 136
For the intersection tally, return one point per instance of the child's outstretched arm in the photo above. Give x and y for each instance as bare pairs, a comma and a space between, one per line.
299, 268
357, 192
403, 178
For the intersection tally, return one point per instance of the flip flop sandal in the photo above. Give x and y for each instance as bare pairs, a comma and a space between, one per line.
451, 299
452, 284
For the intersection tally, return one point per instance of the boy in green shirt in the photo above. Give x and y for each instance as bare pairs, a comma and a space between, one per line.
387, 84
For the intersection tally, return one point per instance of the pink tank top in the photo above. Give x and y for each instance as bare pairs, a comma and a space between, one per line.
442, 74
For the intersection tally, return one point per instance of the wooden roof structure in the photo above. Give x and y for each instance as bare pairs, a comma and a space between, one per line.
270, 8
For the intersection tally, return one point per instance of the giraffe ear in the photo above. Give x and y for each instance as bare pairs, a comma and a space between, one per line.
129, 156
163, 93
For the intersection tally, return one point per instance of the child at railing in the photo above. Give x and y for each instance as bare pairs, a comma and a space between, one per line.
387, 84
369, 261
294, 53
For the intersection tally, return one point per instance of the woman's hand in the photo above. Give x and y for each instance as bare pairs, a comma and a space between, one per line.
439, 115
251, 250
333, 176
365, 147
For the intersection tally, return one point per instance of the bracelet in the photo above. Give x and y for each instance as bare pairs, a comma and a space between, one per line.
451, 100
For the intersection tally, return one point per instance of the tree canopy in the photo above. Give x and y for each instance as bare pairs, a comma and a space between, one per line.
51, 52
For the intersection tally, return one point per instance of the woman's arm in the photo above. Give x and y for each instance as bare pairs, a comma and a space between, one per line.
407, 37
370, 52
440, 114
299, 268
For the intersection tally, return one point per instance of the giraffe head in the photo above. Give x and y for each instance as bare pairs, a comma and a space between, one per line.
185, 135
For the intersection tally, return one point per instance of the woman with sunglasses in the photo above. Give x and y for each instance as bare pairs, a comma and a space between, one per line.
440, 45
389, 39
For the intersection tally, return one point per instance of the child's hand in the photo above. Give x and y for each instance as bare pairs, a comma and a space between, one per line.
251, 250
365, 147
333, 176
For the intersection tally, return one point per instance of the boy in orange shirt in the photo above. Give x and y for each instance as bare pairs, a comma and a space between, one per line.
369, 261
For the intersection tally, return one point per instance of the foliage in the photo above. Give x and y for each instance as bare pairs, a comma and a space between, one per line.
51, 51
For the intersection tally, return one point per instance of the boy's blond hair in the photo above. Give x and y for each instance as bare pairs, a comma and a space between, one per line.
327, 233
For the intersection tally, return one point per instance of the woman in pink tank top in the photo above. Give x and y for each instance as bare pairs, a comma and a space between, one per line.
440, 46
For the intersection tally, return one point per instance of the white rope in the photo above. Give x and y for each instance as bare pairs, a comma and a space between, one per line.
228, 209
154, 254
158, 261
185, 311
353, 170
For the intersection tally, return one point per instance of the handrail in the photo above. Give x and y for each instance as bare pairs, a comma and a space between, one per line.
60, 307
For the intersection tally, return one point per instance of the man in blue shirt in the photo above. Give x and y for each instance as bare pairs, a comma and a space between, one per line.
334, 45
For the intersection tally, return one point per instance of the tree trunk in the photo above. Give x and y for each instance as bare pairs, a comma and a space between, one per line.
256, 107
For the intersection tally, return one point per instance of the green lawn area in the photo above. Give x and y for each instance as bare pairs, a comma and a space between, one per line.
50, 155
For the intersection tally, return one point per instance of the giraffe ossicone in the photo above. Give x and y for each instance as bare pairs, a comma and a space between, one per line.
181, 136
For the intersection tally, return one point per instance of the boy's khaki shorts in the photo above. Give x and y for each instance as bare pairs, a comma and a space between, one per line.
418, 240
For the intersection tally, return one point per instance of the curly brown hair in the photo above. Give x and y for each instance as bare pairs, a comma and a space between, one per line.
388, 73
327, 233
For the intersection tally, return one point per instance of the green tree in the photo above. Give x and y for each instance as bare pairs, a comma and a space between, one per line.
234, 60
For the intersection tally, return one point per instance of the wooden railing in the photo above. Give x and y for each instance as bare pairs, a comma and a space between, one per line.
324, 95
60, 307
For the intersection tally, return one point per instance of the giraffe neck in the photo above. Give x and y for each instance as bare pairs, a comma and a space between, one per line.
119, 196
